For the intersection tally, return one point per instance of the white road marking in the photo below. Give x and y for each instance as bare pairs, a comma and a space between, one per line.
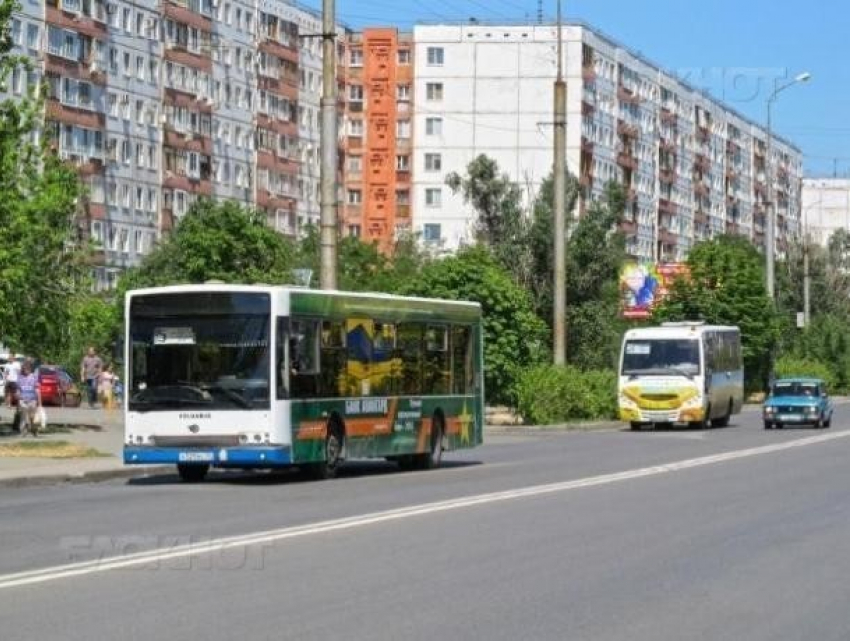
217, 545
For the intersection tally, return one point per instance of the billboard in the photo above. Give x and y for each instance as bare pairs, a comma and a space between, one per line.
644, 285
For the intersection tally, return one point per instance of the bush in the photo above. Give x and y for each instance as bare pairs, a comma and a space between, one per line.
790, 366
549, 394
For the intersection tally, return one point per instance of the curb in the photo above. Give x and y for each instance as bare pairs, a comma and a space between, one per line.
593, 426
94, 476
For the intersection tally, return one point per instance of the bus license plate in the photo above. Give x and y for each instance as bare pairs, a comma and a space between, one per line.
195, 457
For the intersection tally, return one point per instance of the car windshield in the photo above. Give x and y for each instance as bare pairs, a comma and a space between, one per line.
661, 356
785, 388
199, 350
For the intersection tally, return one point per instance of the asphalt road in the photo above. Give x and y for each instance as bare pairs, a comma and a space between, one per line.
736, 533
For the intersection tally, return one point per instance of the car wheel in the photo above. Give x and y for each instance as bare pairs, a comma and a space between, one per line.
828, 422
768, 425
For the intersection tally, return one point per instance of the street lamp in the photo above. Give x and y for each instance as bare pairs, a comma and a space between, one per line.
770, 250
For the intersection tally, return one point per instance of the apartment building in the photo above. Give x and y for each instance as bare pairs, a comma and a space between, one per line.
692, 167
377, 135
159, 102
826, 208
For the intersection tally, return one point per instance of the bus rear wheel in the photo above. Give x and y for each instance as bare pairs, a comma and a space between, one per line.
192, 473
434, 455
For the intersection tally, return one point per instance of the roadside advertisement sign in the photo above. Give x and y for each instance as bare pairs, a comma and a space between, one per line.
644, 285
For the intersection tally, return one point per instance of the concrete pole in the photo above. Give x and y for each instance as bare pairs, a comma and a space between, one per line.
560, 214
328, 143
770, 235
807, 305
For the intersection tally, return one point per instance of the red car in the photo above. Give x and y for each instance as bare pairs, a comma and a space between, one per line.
57, 387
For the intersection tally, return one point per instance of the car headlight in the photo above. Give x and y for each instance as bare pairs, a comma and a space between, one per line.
812, 409
770, 410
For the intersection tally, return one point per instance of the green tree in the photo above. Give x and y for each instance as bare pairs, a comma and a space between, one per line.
541, 244
41, 262
217, 241
501, 223
726, 286
94, 321
514, 337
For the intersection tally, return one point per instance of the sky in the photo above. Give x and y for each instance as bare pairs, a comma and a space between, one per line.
735, 49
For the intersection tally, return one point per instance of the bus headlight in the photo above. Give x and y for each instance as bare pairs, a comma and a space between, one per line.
625, 401
694, 401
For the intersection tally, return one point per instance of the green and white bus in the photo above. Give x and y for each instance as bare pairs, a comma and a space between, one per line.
259, 377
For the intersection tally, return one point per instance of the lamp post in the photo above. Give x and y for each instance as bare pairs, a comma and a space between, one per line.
770, 241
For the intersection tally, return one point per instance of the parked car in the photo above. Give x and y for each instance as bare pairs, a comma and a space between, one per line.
798, 401
57, 387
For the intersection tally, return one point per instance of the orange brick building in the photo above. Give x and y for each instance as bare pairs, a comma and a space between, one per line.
377, 130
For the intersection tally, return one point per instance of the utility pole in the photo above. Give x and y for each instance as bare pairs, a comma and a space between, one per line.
560, 214
328, 142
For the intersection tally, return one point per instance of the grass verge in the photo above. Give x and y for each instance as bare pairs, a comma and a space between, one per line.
48, 449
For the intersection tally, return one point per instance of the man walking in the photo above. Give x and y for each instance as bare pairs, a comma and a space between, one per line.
30, 398
90, 370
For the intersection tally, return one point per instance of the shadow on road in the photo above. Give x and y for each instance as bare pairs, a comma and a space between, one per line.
355, 469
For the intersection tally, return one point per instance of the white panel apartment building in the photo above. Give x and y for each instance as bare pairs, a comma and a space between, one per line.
159, 102
693, 168
826, 207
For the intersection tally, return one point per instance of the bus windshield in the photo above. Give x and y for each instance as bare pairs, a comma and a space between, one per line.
199, 351
666, 356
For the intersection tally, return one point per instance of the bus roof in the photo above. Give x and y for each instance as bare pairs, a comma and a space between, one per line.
679, 331
317, 300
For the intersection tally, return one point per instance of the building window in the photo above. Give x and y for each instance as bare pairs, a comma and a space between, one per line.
355, 57
403, 129
355, 164
355, 196
434, 91
404, 56
402, 197
355, 93
402, 162
355, 128
431, 232
433, 126
435, 56
403, 92
433, 197
433, 162
32, 36
354, 231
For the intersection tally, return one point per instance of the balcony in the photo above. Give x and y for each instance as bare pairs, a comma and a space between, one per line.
703, 133
628, 96
626, 130
628, 228
701, 189
702, 163
666, 206
667, 176
667, 146
586, 180
586, 145
733, 228
587, 108
588, 72
667, 237
627, 161
700, 217
668, 117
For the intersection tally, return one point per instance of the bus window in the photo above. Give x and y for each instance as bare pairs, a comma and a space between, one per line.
409, 350
332, 360
281, 359
461, 361
436, 360
304, 358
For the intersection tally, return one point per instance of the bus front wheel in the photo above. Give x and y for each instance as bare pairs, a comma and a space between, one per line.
434, 455
192, 473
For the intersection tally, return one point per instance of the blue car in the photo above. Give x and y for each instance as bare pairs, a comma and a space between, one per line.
797, 401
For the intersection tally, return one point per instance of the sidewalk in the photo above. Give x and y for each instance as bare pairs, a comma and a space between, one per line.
98, 429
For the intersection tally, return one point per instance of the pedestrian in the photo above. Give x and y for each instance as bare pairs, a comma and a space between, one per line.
90, 370
29, 402
11, 372
106, 387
